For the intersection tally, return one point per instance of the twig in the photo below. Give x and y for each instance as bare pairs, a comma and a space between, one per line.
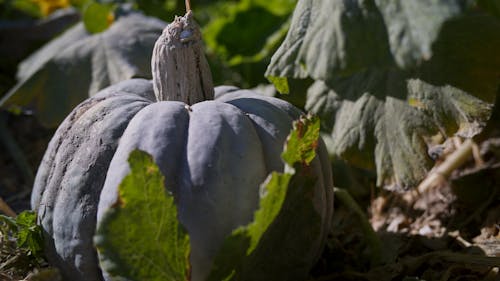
6, 209
452, 162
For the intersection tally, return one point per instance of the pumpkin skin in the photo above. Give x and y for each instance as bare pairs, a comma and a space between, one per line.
223, 149
72, 172
214, 156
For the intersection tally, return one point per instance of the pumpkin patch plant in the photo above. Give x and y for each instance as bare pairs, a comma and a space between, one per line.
214, 154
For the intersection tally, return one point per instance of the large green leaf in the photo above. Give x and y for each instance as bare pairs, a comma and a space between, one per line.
77, 64
383, 121
437, 41
251, 251
393, 77
140, 237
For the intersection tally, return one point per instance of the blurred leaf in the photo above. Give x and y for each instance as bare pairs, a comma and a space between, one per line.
29, 7
34, 8
492, 6
98, 17
163, 9
281, 84
245, 34
49, 6
145, 220
77, 65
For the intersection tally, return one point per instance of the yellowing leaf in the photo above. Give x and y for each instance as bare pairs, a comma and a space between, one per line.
49, 6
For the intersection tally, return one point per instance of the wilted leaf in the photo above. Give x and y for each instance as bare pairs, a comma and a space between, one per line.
247, 253
140, 237
302, 142
281, 84
77, 64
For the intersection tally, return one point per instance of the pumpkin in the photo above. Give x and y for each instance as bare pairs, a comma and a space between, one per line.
214, 155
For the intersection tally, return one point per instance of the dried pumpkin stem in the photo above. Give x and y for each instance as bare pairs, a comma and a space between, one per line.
179, 67
188, 6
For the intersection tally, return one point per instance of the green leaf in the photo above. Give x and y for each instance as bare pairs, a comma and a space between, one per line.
29, 234
140, 237
387, 122
250, 252
393, 78
27, 6
246, 26
281, 84
25, 230
98, 17
76, 65
434, 40
244, 35
302, 142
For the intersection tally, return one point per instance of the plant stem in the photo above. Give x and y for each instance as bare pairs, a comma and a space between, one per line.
6, 209
188, 6
179, 68
373, 240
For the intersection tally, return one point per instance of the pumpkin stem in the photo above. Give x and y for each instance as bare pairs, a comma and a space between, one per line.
188, 6
179, 67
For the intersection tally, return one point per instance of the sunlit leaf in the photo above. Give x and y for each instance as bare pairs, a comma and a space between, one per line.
393, 77
145, 220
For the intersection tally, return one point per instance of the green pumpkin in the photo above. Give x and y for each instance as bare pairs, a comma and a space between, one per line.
214, 155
